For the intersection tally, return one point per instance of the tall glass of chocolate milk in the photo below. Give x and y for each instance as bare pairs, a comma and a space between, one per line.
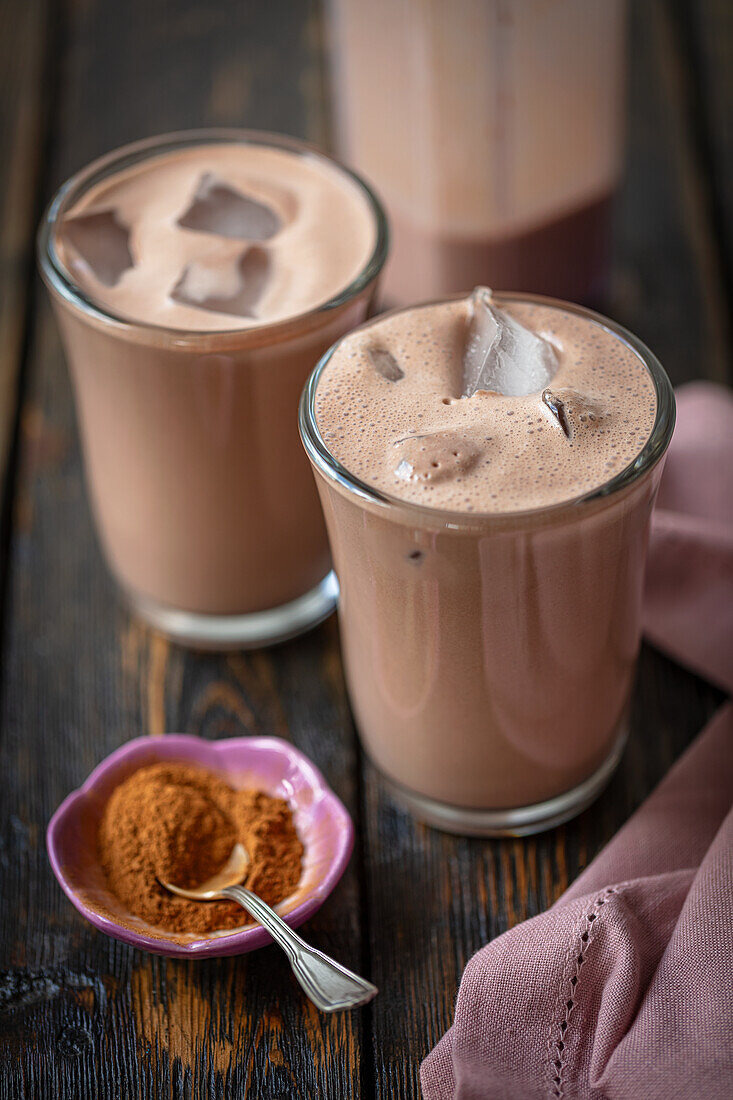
487, 467
196, 279
493, 131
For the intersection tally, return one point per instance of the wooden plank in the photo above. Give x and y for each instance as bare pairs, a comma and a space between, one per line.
22, 56
79, 1014
705, 27
433, 899
667, 280
695, 185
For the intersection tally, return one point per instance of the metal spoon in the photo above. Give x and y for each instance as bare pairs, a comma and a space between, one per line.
328, 984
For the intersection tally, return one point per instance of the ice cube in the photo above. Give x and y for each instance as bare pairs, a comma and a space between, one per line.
219, 209
501, 355
385, 364
101, 243
575, 412
433, 456
225, 289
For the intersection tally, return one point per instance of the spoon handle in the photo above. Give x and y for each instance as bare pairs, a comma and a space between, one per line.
328, 984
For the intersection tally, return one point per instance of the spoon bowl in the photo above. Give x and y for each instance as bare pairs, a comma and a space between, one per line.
231, 874
329, 985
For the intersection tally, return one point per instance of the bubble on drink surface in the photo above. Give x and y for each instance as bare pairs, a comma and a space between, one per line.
575, 412
433, 457
219, 209
101, 244
234, 289
385, 364
501, 355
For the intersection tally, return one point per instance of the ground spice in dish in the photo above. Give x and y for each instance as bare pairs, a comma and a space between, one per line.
179, 823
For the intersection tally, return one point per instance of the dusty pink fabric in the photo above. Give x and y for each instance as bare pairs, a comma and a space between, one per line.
623, 990
688, 601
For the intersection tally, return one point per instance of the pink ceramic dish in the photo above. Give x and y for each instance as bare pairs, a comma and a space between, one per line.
267, 763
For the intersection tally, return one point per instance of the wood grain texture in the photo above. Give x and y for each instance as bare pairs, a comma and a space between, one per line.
691, 170
706, 27
664, 260
81, 1015
22, 56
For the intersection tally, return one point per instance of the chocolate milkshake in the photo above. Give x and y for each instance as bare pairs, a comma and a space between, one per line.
196, 279
487, 468
493, 132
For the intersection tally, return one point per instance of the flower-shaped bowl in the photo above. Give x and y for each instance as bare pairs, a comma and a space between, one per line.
266, 763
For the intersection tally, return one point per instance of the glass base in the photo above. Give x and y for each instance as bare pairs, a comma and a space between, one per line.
260, 628
516, 821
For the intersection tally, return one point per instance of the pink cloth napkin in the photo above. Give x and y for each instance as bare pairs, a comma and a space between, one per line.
623, 990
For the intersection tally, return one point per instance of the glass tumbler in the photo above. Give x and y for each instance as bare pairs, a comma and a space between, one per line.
489, 658
203, 500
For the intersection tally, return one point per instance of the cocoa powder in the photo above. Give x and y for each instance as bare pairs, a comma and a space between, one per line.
179, 823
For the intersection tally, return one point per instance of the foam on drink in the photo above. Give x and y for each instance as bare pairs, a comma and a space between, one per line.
221, 236
497, 408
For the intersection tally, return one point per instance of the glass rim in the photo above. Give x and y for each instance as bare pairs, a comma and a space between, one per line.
652, 451
60, 280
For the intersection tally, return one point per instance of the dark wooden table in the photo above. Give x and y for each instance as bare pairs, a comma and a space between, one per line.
84, 1016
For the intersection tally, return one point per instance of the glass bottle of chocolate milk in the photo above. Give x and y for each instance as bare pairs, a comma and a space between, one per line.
493, 131
487, 467
196, 279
